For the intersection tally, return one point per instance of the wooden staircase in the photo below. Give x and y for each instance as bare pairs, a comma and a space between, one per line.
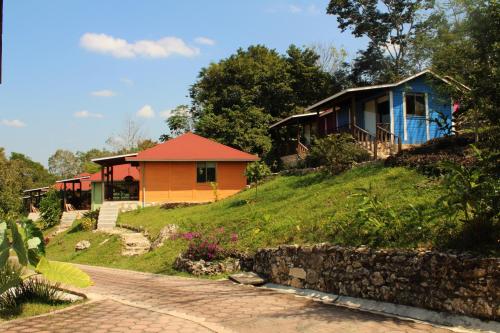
381, 144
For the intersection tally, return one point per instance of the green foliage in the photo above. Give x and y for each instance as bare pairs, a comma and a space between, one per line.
64, 164
464, 44
337, 152
87, 224
180, 120
27, 242
236, 99
61, 272
50, 209
472, 196
391, 28
256, 172
93, 214
14, 292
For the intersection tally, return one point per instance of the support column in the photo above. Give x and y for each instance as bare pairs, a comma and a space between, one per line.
103, 195
64, 196
353, 111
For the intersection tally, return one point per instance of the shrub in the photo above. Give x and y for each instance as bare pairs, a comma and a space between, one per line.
93, 214
213, 246
87, 224
256, 172
336, 152
472, 197
50, 209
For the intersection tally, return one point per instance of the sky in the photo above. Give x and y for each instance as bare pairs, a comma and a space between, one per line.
74, 71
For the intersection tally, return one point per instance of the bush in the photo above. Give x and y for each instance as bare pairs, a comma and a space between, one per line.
88, 224
336, 152
50, 209
209, 247
93, 214
18, 291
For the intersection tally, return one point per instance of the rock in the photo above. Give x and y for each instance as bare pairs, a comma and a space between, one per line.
82, 245
202, 267
166, 233
249, 278
298, 273
377, 279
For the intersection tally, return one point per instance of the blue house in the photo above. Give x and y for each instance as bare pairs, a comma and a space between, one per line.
381, 116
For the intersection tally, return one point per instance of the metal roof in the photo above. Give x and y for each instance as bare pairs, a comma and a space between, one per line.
69, 180
379, 86
304, 115
113, 160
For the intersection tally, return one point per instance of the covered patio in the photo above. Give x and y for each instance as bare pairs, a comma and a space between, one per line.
117, 181
75, 192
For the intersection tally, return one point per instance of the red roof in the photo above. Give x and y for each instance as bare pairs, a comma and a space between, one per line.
82, 177
192, 147
119, 173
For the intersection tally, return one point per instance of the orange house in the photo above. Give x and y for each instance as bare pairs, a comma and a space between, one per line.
190, 168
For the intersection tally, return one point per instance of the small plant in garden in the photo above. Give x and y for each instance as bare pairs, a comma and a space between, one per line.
256, 172
209, 247
50, 209
336, 152
26, 240
472, 196
215, 190
87, 224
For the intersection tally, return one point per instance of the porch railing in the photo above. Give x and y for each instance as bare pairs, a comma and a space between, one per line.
365, 139
384, 136
302, 150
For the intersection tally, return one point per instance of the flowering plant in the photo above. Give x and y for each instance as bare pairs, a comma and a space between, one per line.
209, 247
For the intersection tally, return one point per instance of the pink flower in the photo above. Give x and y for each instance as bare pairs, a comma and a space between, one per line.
234, 237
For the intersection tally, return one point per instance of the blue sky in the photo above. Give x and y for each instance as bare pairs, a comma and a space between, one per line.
73, 71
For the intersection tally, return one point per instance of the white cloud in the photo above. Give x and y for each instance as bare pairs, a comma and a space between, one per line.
13, 123
127, 81
103, 93
313, 9
87, 114
204, 41
294, 9
165, 113
120, 48
146, 112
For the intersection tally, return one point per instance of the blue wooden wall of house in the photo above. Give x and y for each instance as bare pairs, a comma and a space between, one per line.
416, 126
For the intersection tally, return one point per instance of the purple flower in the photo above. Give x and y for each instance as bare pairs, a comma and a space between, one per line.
234, 237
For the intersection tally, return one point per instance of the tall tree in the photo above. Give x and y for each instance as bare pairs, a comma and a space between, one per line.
180, 120
465, 44
32, 174
236, 99
10, 186
390, 26
128, 138
64, 164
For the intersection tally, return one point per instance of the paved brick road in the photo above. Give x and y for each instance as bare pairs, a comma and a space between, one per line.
124, 301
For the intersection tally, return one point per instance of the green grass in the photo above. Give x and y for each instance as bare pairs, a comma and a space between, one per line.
288, 210
33, 308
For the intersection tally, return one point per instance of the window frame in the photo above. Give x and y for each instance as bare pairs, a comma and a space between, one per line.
414, 95
206, 167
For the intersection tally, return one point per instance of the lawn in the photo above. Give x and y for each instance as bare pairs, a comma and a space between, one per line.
296, 209
29, 309
287, 210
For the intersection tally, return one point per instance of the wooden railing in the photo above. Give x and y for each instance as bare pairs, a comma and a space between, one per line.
365, 139
385, 136
302, 150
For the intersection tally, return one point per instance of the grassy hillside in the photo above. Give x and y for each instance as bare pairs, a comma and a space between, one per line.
296, 209
288, 209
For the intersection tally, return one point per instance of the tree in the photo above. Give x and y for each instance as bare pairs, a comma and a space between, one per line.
32, 174
10, 186
236, 99
85, 159
180, 121
465, 44
128, 138
64, 164
146, 144
390, 26
256, 172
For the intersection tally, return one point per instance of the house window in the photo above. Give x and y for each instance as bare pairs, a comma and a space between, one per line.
415, 104
205, 172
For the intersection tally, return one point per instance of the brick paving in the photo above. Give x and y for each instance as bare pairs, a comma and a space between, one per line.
139, 302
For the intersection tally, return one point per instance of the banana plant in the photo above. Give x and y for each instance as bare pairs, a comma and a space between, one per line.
26, 241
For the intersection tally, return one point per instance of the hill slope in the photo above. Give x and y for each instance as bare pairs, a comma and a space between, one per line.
288, 209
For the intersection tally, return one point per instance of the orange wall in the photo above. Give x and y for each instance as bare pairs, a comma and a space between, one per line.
176, 182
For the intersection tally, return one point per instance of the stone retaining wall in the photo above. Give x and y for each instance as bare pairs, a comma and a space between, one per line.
460, 284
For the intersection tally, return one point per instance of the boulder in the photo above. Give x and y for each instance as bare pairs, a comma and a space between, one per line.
82, 245
166, 233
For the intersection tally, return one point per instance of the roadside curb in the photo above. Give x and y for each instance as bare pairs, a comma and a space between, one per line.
456, 323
